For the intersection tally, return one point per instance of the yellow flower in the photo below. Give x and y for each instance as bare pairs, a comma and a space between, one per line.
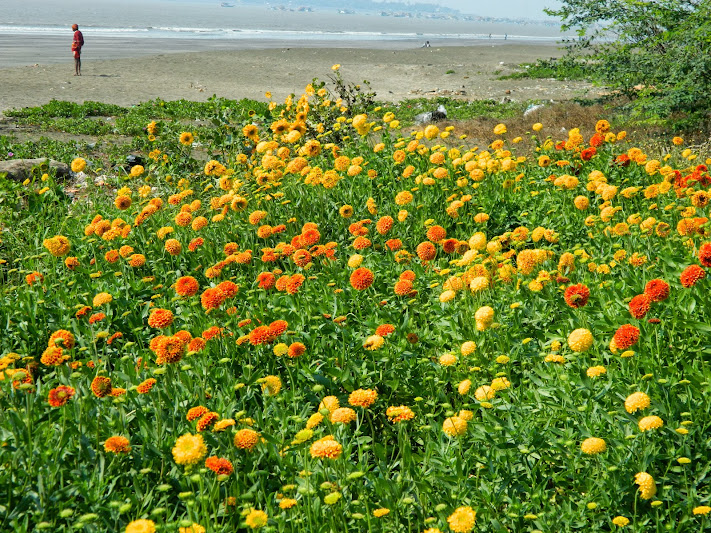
650, 422
256, 519
580, 340
593, 446
636, 401
189, 449
454, 426
377, 513
186, 138
78, 164
447, 359
194, 528
620, 521
499, 129
336, 67
141, 526
537, 126
647, 486
462, 520
701, 510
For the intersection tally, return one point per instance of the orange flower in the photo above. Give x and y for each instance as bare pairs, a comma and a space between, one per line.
626, 336
246, 439
657, 290
363, 397
186, 286
691, 275
326, 448
146, 386
101, 386
639, 305
160, 318
266, 280
576, 296
361, 279
219, 465
117, 445
59, 396
384, 225
426, 251
436, 234
207, 420
296, 349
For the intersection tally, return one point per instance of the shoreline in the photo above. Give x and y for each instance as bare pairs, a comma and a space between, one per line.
129, 75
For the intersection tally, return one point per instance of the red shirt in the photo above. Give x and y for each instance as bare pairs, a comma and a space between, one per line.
77, 43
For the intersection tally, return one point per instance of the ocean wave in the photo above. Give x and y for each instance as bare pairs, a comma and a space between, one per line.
256, 33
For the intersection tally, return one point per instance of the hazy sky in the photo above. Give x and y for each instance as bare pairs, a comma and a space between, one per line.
532, 9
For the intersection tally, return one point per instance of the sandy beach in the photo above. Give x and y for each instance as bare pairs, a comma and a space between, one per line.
118, 71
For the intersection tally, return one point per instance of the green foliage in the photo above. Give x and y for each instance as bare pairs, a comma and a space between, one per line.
657, 53
564, 68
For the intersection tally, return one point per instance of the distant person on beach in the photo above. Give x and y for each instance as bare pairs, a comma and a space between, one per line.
426, 45
77, 43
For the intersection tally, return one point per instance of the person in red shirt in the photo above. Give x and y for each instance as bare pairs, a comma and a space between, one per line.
77, 43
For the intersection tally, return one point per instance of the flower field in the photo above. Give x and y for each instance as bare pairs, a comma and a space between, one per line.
313, 320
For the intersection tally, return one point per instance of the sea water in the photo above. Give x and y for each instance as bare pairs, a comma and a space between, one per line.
147, 19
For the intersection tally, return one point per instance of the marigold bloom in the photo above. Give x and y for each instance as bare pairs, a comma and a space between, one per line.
271, 385
246, 439
403, 287
647, 486
343, 415
384, 330
101, 299
141, 526
160, 318
186, 138
625, 337
373, 342
485, 392
219, 465
657, 290
463, 519
146, 386
399, 413
639, 305
576, 296
58, 245
701, 510
206, 420
60, 395
189, 449
637, 401
580, 340
593, 446
169, 350
101, 386
650, 422
454, 426
595, 371
361, 278
691, 275
117, 444
326, 448
256, 519
363, 397
620, 521
62, 338
426, 251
